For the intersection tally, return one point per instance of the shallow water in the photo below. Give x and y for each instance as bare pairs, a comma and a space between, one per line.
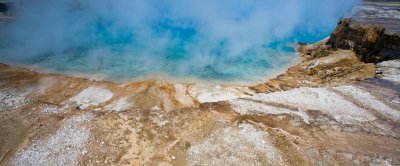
242, 41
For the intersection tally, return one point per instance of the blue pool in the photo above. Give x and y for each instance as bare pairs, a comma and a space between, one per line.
215, 40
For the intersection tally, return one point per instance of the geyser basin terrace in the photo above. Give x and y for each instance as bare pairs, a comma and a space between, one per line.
331, 108
241, 40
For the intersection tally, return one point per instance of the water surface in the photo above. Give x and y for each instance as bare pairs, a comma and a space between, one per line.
238, 41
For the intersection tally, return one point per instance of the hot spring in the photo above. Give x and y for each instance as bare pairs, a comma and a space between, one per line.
125, 40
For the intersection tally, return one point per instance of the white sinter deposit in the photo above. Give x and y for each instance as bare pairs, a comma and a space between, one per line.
65, 147
303, 99
236, 145
92, 96
248, 107
182, 95
121, 104
205, 93
390, 70
10, 99
370, 101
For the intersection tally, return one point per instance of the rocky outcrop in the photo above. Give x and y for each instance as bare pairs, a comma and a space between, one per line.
316, 50
4, 7
320, 67
371, 42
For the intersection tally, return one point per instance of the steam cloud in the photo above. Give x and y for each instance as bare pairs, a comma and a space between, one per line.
200, 38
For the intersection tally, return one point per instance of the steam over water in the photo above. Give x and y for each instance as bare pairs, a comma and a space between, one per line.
236, 40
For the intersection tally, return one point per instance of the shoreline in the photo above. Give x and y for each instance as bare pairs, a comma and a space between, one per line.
162, 77
170, 95
317, 65
159, 77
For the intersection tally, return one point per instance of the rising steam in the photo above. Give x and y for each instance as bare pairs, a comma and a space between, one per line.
123, 39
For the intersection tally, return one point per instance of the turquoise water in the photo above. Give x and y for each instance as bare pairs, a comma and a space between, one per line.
176, 60
245, 41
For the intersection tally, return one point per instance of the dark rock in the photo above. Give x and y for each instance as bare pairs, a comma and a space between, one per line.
4, 7
371, 42
302, 43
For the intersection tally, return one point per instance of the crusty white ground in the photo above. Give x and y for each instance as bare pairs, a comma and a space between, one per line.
247, 107
52, 110
10, 99
236, 145
369, 11
63, 148
319, 99
160, 120
370, 101
181, 95
92, 96
121, 104
390, 70
212, 93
